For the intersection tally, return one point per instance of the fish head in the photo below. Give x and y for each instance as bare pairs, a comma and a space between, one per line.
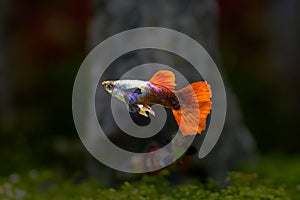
114, 88
109, 86
122, 89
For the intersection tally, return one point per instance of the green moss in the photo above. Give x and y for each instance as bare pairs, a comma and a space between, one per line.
48, 185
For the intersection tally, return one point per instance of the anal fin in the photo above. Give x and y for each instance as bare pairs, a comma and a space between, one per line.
143, 109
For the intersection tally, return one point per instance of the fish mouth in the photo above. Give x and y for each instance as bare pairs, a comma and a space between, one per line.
104, 83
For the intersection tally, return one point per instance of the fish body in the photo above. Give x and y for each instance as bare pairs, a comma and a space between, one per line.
190, 105
144, 92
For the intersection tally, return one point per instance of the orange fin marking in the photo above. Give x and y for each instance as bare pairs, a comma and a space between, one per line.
165, 78
195, 106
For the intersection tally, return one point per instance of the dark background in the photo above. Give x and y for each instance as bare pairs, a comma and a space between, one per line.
43, 43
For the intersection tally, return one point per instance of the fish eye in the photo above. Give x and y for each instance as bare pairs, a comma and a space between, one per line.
109, 86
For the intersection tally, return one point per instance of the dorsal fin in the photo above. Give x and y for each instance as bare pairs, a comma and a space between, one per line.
165, 78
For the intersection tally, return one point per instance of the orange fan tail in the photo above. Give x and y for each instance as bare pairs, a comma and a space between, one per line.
195, 105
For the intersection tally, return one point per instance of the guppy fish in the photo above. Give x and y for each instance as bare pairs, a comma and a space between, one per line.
190, 105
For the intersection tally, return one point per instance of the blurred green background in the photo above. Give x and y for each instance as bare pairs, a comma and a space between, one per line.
43, 43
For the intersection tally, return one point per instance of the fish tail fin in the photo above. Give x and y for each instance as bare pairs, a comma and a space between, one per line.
195, 105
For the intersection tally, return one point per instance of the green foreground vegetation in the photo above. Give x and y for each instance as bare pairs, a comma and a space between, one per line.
276, 177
